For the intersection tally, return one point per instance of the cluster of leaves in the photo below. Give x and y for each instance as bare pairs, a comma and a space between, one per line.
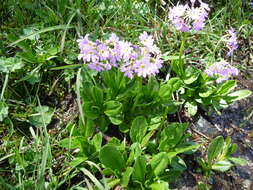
148, 155
146, 152
197, 89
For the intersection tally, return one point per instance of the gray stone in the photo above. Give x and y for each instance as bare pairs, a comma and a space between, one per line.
246, 184
206, 128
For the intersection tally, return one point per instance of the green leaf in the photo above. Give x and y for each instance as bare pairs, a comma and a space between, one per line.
111, 157
192, 75
71, 142
192, 108
138, 129
186, 148
10, 64
222, 166
226, 87
90, 110
33, 76
238, 161
126, 176
165, 92
240, 94
3, 110
42, 116
52, 28
139, 169
161, 185
155, 122
159, 163
178, 164
172, 136
97, 141
175, 83
215, 148
113, 109
171, 57
207, 92
151, 89
98, 95
92, 178
77, 161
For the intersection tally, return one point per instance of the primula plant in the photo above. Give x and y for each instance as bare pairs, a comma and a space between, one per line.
103, 94
119, 92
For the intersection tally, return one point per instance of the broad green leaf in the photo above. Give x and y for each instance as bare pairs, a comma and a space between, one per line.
240, 94
111, 157
71, 142
215, 148
159, 163
161, 185
32, 77
147, 138
151, 88
139, 171
172, 136
98, 95
222, 166
102, 123
175, 83
192, 75
226, 87
42, 116
90, 110
87, 128
178, 164
126, 177
97, 141
77, 161
10, 64
138, 129
181, 149
134, 153
113, 109
155, 122
3, 110
238, 161
165, 92
191, 107
206, 93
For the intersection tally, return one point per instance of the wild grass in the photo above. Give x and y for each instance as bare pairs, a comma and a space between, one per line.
43, 34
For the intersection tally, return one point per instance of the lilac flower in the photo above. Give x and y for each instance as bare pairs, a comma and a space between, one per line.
114, 39
185, 18
125, 49
142, 59
176, 15
127, 70
232, 42
222, 70
103, 52
96, 66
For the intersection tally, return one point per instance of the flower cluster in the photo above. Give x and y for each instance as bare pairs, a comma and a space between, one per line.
223, 70
143, 59
232, 43
185, 18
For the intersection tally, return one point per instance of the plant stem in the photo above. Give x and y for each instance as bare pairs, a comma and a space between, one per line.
4, 86
139, 80
181, 62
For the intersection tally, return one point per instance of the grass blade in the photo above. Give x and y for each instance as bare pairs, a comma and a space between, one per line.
52, 28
